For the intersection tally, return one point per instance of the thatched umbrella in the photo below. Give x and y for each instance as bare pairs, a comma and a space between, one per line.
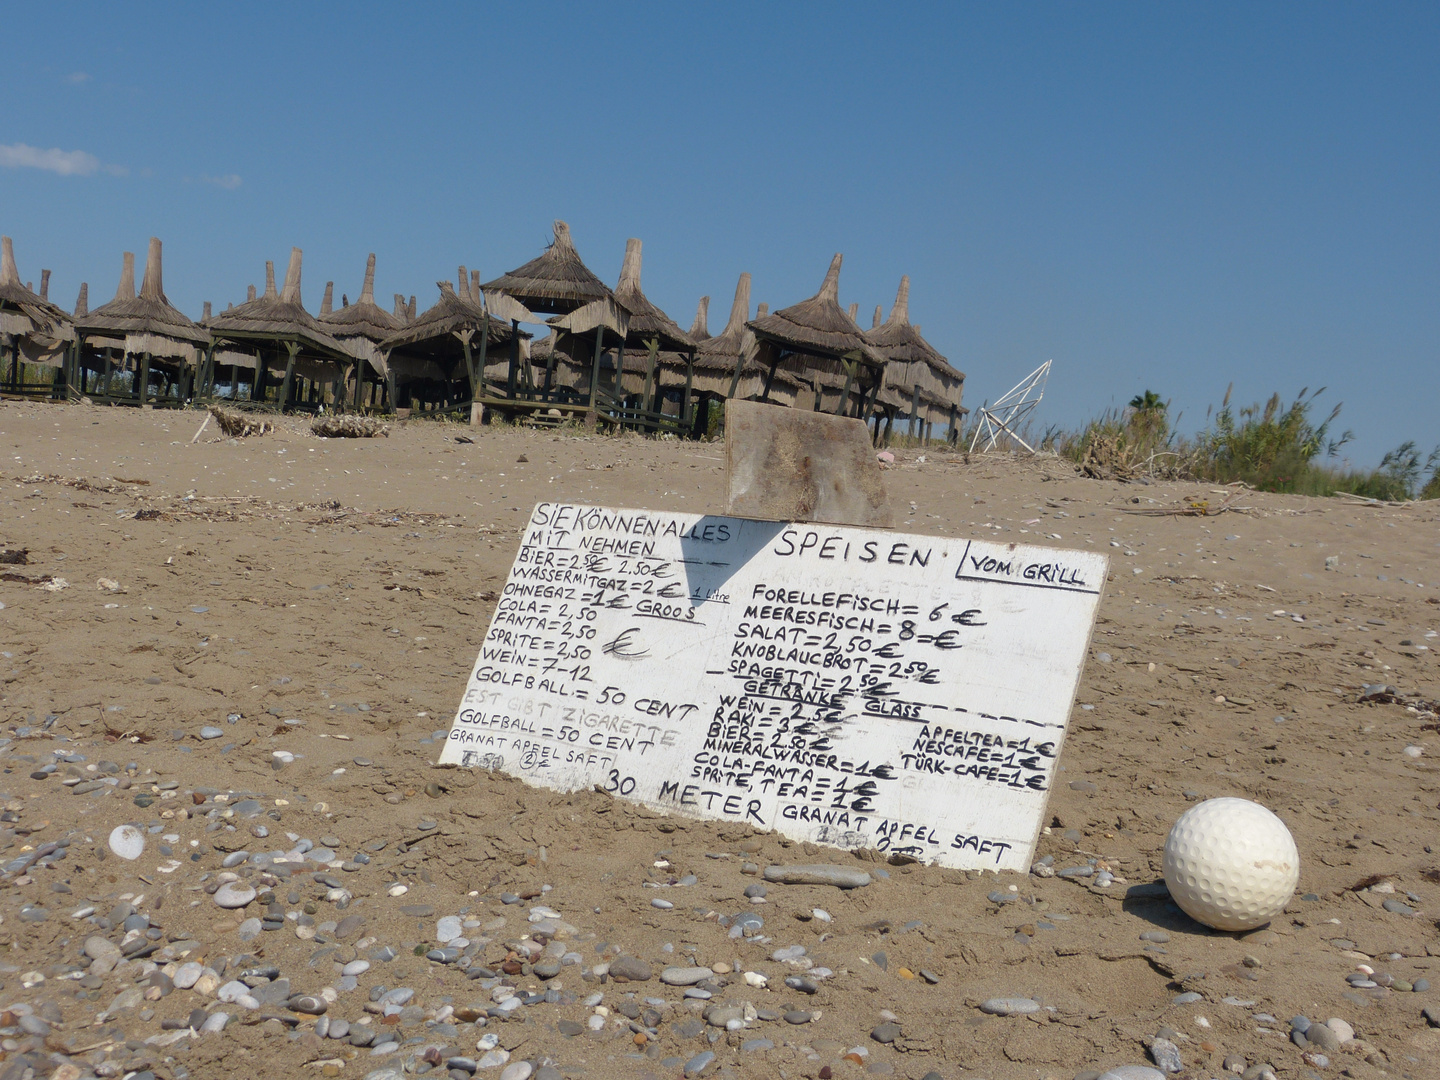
650, 329
433, 347
148, 326
815, 339
361, 327
915, 372
559, 283
32, 330
273, 321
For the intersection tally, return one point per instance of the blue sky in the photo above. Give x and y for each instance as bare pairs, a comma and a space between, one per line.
1171, 196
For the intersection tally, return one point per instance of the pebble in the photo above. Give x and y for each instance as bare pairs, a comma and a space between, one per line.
1009, 1006
699, 1063
234, 894
886, 1033
842, 877
187, 975
127, 841
1343, 1031
663, 905
687, 976
1166, 1056
519, 1070
629, 969
1132, 1072
448, 929
1188, 998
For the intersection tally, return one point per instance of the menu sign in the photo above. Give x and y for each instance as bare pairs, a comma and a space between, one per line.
851, 687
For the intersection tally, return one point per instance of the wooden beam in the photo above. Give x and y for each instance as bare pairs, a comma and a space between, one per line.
689, 385
292, 348
849, 366
464, 336
653, 352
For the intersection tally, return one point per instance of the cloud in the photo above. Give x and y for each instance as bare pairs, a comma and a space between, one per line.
64, 162
78, 78
229, 181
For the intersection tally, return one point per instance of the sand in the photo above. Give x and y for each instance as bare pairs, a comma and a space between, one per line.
333, 594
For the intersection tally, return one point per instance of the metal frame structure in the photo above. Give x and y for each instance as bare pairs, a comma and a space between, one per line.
1013, 407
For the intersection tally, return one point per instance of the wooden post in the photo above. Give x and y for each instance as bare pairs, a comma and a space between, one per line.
953, 435
849, 366
390, 391
595, 376
914, 408
735, 378
873, 397
550, 365
889, 426
108, 372
257, 383
770, 375
291, 347
465, 336
144, 383
689, 384
653, 347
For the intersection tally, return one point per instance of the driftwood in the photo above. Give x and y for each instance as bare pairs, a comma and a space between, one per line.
238, 425
349, 427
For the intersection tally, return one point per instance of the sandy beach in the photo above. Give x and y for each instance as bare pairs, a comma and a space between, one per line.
186, 611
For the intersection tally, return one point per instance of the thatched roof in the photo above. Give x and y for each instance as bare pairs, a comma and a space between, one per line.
148, 322
557, 282
818, 326
435, 330
280, 317
82, 302
24, 313
364, 318
898, 340
911, 360
647, 322
700, 328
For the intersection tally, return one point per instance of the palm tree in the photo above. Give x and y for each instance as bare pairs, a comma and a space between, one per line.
1147, 402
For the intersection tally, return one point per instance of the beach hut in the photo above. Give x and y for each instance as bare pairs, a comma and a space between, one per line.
361, 327
152, 335
276, 329
919, 382
558, 283
818, 343
32, 330
434, 358
650, 331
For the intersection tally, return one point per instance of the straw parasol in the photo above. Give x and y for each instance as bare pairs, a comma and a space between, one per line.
275, 321
432, 347
32, 330
147, 326
556, 282
559, 283
361, 327
650, 329
817, 341
916, 374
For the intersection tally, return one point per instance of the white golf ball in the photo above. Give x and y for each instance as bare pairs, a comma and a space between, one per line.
1231, 864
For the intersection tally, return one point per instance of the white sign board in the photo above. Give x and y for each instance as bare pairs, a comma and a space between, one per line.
847, 686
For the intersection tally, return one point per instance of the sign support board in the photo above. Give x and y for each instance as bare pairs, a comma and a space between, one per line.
851, 687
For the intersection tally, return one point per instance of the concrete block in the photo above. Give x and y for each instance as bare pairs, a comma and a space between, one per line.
787, 465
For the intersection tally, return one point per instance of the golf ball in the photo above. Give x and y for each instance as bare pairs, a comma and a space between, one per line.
1231, 864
